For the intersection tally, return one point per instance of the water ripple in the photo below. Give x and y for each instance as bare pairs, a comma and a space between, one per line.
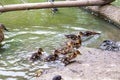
13, 34
11, 73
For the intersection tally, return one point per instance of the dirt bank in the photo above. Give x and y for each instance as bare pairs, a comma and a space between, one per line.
108, 12
93, 64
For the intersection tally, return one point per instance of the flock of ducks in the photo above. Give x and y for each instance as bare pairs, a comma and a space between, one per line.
67, 52
64, 54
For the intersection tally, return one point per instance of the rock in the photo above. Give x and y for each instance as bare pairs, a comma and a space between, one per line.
110, 45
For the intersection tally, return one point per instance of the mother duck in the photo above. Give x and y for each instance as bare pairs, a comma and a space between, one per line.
2, 27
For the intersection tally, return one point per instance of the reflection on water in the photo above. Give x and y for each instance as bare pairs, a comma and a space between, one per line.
32, 29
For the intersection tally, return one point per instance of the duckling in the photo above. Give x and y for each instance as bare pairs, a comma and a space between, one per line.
67, 48
87, 33
2, 27
77, 43
74, 54
56, 51
37, 55
68, 59
72, 36
52, 57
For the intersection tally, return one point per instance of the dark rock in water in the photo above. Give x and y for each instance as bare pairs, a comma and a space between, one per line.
57, 77
110, 45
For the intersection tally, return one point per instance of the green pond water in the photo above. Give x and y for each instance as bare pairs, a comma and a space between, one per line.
31, 29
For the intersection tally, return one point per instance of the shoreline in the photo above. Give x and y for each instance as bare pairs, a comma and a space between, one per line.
93, 64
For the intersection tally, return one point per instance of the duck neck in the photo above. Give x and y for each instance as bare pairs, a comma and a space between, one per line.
1, 35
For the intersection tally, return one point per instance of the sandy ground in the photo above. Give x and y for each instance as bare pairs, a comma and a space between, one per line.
93, 64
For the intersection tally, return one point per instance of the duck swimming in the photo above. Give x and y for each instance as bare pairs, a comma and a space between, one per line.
37, 55
53, 56
68, 48
88, 33
73, 36
2, 27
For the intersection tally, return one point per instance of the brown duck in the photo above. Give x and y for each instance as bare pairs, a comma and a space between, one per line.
68, 58
77, 43
2, 27
67, 48
37, 55
53, 56
88, 33
73, 36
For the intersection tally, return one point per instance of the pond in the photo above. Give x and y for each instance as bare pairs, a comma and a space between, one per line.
31, 29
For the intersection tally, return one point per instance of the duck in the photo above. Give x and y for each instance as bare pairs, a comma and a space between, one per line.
2, 27
88, 33
52, 57
73, 36
74, 54
68, 58
37, 55
68, 48
77, 43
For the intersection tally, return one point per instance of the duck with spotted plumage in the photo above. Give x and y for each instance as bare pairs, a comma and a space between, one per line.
2, 28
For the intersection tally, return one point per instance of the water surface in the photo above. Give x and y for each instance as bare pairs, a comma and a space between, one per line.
31, 29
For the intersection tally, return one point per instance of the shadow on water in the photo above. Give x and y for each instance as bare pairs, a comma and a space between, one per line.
32, 29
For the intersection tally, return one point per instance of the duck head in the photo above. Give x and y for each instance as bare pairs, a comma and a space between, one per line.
2, 27
80, 34
40, 50
56, 52
70, 44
